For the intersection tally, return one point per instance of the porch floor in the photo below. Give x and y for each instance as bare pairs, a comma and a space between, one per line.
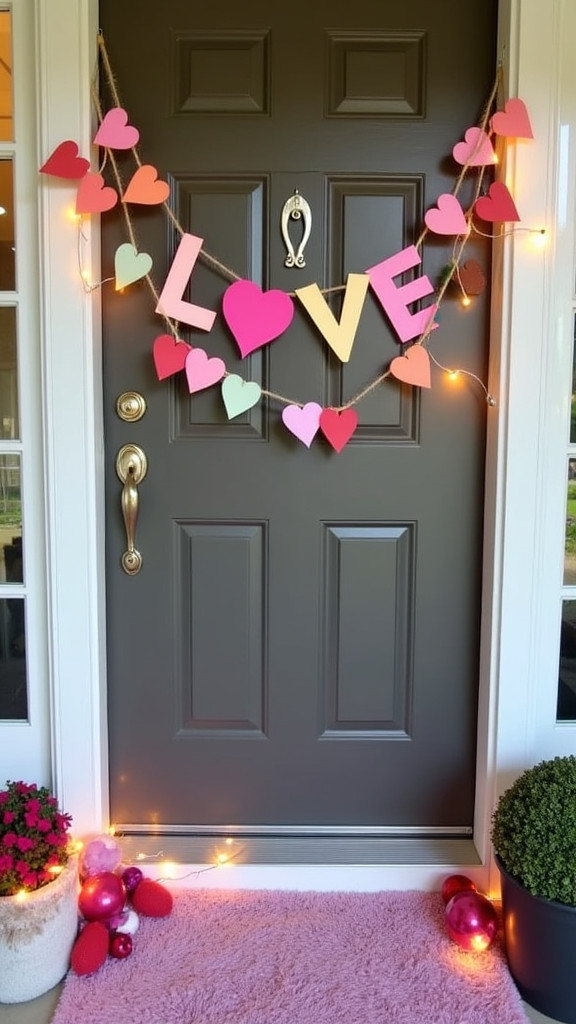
40, 1011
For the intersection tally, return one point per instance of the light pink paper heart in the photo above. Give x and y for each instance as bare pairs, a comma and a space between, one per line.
115, 132
201, 371
304, 422
513, 121
447, 217
476, 150
256, 317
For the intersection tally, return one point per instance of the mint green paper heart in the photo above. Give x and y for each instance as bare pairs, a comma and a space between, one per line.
239, 395
129, 265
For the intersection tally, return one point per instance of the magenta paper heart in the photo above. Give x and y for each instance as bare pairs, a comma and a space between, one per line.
476, 151
169, 355
303, 422
201, 371
256, 317
447, 217
115, 132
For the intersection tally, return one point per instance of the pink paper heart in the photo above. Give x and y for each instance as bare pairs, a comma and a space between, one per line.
169, 355
256, 317
115, 132
413, 367
476, 151
201, 371
338, 427
513, 121
447, 217
303, 422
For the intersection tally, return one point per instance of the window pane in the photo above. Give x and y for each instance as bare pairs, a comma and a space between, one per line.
6, 111
573, 406
7, 246
570, 538
13, 686
10, 520
9, 417
566, 710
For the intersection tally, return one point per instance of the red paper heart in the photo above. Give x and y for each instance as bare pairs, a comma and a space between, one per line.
94, 196
413, 367
498, 205
64, 162
169, 355
152, 899
471, 277
145, 187
90, 949
338, 427
513, 121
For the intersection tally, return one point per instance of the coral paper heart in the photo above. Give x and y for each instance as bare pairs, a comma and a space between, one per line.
413, 367
201, 371
145, 187
256, 317
513, 121
239, 395
471, 277
169, 355
64, 162
476, 150
338, 427
303, 422
447, 217
129, 265
115, 132
498, 205
94, 196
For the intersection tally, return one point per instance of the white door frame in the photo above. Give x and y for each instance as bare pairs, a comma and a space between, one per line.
530, 371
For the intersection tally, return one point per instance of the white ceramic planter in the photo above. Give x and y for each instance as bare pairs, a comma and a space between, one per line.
36, 937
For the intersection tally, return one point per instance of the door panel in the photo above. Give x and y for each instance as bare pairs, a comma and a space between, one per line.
301, 645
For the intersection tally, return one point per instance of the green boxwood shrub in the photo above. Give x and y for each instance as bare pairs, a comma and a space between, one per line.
534, 829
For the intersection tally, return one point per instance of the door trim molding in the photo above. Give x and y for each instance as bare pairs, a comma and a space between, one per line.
516, 667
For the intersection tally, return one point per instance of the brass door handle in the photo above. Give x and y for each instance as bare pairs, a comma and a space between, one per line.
131, 467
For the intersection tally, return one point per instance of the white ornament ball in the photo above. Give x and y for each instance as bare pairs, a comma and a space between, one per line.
130, 925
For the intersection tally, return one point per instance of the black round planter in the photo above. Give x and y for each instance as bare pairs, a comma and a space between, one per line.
540, 940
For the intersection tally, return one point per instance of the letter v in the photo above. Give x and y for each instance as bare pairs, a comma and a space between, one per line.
171, 302
340, 336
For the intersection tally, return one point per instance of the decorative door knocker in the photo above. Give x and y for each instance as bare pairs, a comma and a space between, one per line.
296, 208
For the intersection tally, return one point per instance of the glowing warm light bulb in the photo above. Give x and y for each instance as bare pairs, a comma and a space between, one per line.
140, 856
72, 215
539, 238
453, 374
222, 858
78, 845
21, 895
466, 300
111, 830
168, 869
55, 869
229, 841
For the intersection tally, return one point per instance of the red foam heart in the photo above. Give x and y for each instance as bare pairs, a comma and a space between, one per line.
64, 162
152, 899
413, 367
94, 196
513, 121
145, 187
169, 355
338, 427
498, 205
90, 949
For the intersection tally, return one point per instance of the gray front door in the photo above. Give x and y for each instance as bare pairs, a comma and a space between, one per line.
301, 644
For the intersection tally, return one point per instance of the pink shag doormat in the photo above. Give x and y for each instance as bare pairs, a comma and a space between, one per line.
238, 957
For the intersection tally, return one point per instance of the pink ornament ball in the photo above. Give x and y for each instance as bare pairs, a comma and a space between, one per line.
120, 945
471, 921
100, 854
454, 884
101, 896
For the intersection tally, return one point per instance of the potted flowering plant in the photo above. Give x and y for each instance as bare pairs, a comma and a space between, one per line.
38, 892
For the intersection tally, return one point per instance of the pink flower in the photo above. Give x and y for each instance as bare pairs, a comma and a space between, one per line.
23, 787
22, 867
4, 797
31, 819
33, 805
31, 879
24, 843
9, 839
9, 817
43, 825
6, 862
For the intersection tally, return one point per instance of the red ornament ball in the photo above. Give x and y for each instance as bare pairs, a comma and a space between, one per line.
120, 945
101, 896
454, 884
471, 921
132, 877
